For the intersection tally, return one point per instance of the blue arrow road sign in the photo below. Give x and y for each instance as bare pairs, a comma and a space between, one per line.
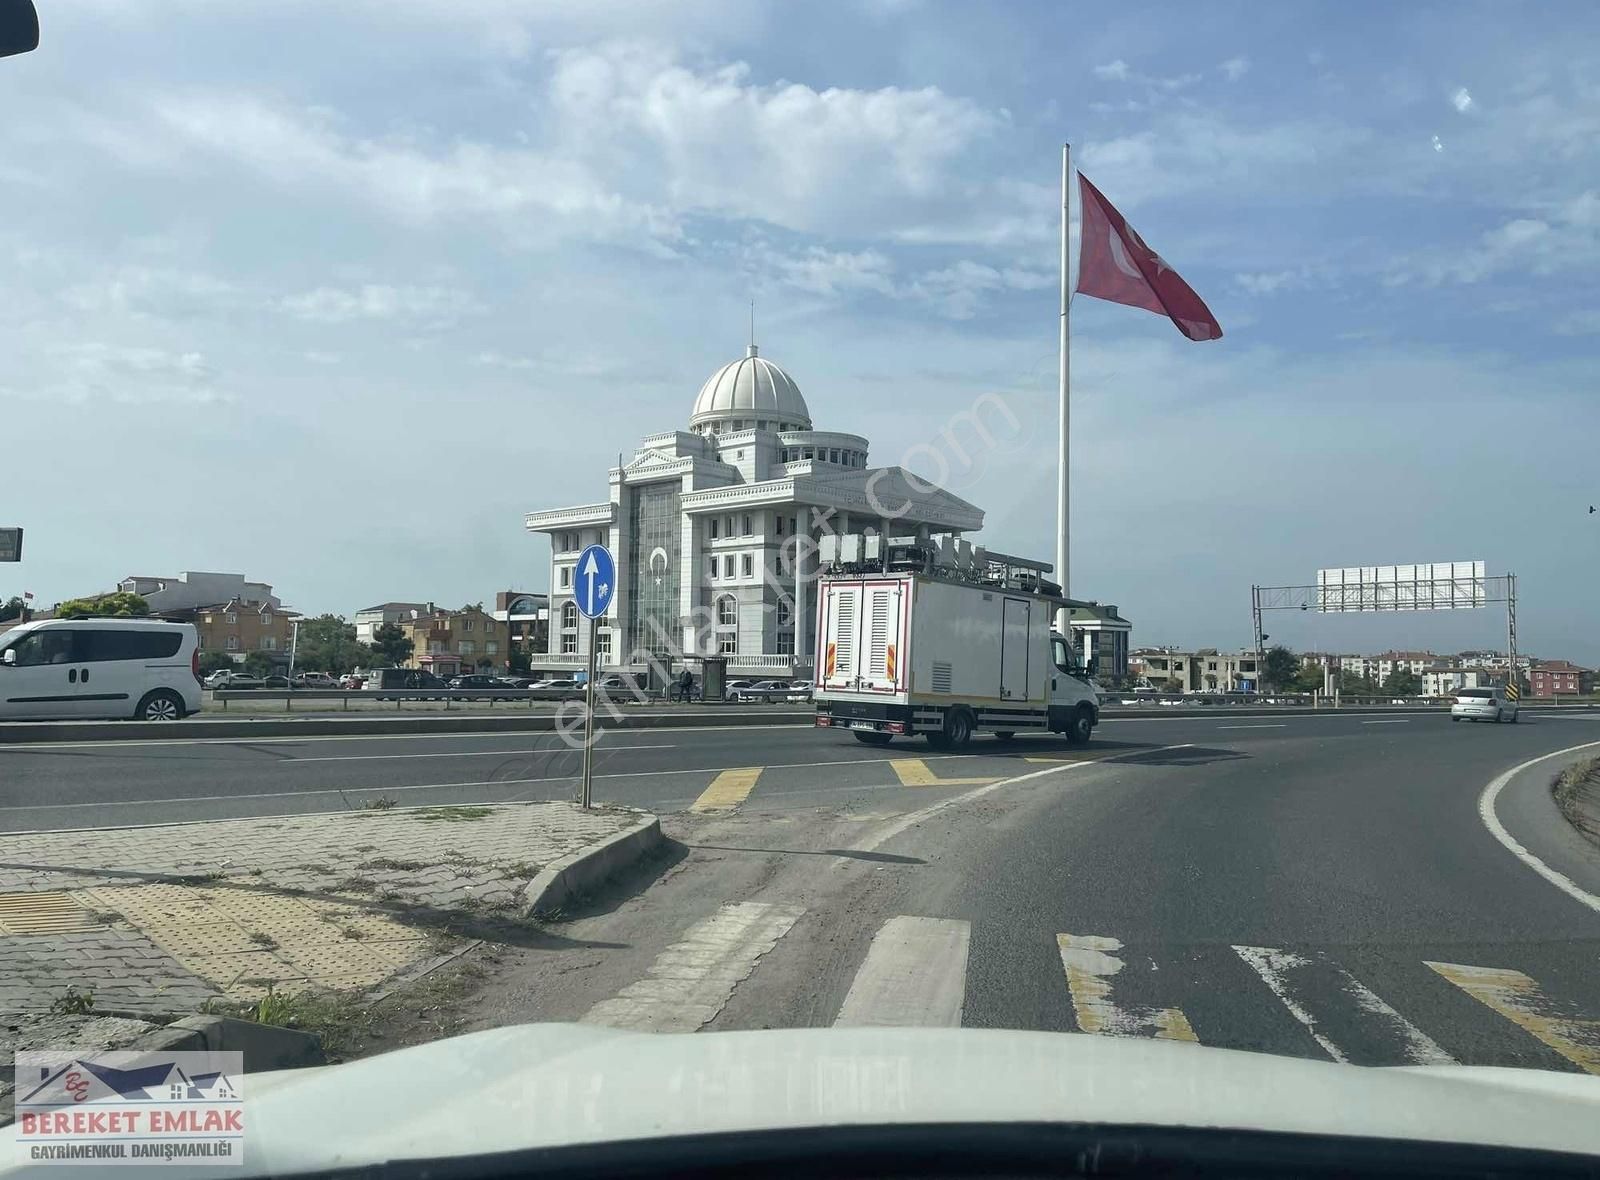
596, 581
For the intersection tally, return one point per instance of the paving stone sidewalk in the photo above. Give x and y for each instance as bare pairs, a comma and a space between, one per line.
161, 919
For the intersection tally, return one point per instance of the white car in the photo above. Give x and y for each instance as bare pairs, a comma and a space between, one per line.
78, 669
1483, 704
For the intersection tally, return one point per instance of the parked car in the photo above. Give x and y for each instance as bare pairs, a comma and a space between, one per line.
278, 683
146, 669
563, 683
1484, 704
233, 681
316, 680
475, 680
731, 688
380, 679
352, 680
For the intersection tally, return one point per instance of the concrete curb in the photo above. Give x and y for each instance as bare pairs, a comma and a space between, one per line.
265, 1046
571, 876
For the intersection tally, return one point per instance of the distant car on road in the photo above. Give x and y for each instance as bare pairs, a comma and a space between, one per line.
764, 690
278, 683
315, 680
381, 679
1483, 704
352, 680
233, 681
475, 680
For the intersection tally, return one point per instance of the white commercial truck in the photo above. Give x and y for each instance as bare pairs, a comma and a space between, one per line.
943, 641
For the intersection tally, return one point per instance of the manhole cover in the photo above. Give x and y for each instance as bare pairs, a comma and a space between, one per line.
43, 913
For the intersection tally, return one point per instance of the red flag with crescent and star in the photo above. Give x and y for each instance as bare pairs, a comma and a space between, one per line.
1114, 264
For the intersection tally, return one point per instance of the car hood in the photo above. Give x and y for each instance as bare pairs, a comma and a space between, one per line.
551, 1085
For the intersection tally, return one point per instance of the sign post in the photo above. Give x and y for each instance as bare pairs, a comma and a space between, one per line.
593, 587
11, 544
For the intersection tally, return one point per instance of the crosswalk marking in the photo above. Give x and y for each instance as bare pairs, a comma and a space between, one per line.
1090, 965
914, 772
1280, 969
689, 982
728, 790
1518, 998
914, 975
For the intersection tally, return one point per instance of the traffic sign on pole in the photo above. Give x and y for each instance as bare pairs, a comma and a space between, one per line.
594, 584
594, 581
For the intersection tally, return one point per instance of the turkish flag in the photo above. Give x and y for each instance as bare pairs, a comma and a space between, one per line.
1114, 264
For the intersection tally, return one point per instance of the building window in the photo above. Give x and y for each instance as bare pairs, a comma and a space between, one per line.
569, 643
491, 648
747, 565
711, 565
436, 647
566, 576
728, 643
777, 524
269, 643
467, 647
784, 613
266, 617
727, 611
200, 641
748, 529
232, 643
727, 566
739, 454
569, 617
714, 524
232, 617
833, 455
468, 624
729, 522
786, 643
602, 646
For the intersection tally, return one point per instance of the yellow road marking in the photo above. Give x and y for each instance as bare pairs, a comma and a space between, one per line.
1518, 998
914, 772
1090, 965
728, 790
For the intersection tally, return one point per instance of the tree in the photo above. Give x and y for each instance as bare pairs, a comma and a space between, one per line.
215, 661
1309, 678
518, 660
260, 663
11, 608
1173, 685
1403, 682
119, 605
1361, 686
390, 644
328, 644
1281, 666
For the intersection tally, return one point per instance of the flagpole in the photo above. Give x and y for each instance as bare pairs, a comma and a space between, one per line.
1063, 483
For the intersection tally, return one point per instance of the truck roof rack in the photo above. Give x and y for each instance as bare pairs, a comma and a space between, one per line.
948, 557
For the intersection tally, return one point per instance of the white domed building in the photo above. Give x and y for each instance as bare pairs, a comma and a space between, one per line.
704, 524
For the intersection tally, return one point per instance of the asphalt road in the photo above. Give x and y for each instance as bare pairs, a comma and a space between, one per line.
179, 778
1322, 887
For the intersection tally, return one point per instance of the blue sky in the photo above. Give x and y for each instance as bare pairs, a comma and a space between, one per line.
331, 295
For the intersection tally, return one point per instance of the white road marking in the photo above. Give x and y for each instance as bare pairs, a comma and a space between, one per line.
914, 975
1090, 964
884, 835
459, 754
692, 979
1276, 725
1486, 812
1275, 968
1390, 721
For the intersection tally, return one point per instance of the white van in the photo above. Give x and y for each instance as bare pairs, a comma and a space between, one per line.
74, 669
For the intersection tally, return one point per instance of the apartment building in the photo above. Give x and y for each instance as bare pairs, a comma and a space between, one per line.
451, 642
1552, 678
241, 626
370, 619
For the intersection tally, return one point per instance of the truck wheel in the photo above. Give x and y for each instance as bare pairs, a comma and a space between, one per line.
871, 739
1081, 726
957, 729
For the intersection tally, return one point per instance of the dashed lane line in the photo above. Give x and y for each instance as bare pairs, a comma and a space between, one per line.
1518, 998
457, 754
914, 772
728, 790
914, 976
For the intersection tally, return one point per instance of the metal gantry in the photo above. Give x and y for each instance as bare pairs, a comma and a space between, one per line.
1481, 592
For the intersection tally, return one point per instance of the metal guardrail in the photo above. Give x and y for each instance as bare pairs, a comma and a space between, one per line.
468, 696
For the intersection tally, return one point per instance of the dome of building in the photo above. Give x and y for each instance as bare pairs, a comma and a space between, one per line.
751, 389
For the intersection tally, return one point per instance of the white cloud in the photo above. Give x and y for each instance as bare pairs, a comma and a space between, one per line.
1113, 71
1269, 283
1580, 323
1563, 238
378, 301
1120, 71
1235, 68
958, 290
1438, 144
1461, 100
